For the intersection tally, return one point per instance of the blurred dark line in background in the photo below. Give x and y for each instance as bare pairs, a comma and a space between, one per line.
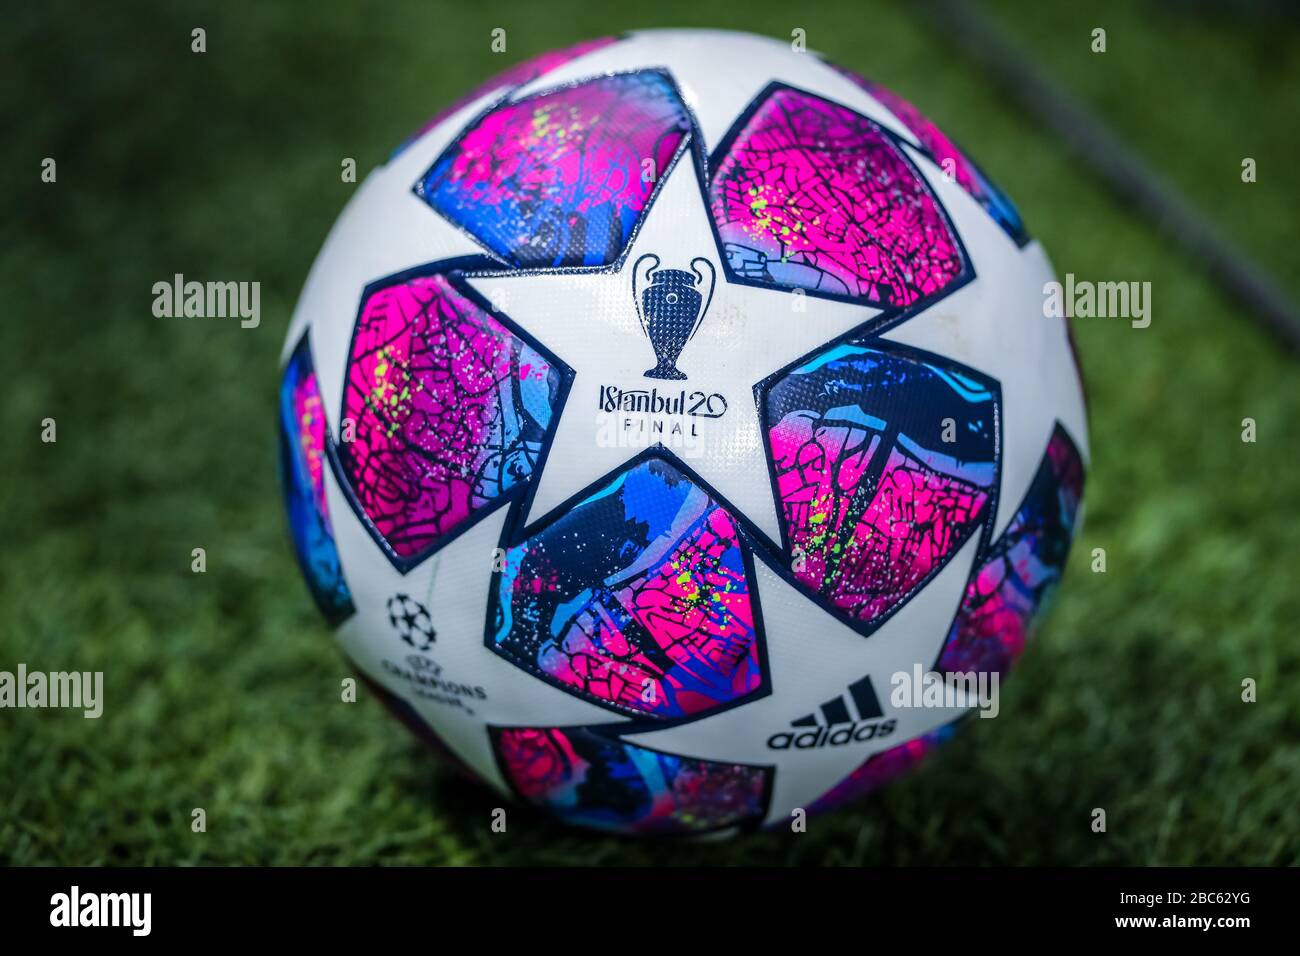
977, 37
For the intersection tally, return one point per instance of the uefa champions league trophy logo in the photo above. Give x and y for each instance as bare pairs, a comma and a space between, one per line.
670, 308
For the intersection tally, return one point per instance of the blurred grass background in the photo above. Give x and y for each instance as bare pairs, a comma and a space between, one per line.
222, 689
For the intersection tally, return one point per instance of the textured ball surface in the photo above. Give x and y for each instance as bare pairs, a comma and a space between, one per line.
661, 408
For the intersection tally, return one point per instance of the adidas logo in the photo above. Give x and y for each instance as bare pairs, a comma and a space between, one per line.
834, 723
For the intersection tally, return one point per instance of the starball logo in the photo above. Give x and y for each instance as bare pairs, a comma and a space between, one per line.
852, 717
410, 619
413, 625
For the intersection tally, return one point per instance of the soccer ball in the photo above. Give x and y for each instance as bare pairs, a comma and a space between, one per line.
667, 419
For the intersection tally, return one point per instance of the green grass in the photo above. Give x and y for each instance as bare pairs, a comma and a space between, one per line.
222, 689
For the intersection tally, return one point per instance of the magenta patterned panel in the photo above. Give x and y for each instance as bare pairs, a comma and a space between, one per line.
309, 413
811, 195
884, 466
585, 778
1022, 569
518, 75
948, 157
558, 179
914, 521
304, 440
649, 612
450, 410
